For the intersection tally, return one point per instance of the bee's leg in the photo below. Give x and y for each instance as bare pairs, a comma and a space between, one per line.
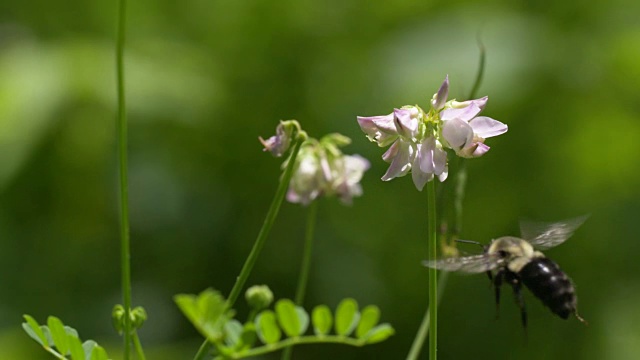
497, 282
517, 292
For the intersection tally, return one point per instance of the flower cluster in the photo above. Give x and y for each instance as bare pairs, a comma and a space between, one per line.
320, 167
418, 139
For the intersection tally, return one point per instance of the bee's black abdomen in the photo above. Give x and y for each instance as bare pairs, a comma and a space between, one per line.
546, 281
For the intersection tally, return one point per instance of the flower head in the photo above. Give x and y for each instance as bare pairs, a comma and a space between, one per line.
465, 132
322, 169
418, 139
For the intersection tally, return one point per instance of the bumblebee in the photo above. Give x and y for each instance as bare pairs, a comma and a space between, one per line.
518, 261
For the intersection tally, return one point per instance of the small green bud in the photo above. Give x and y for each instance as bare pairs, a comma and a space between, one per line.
117, 318
138, 317
259, 297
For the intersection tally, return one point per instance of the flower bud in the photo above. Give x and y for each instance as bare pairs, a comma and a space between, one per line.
280, 142
117, 318
259, 297
138, 317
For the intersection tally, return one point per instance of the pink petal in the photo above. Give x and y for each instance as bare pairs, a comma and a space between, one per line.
391, 152
380, 129
486, 127
419, 177
440, 97
406, 122
425, 155
458, 133
480, 150
466, 113
439, 161
401, 163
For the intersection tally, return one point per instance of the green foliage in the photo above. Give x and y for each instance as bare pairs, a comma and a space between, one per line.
62, 341
207, 312
281, 327
322, 319
347, 317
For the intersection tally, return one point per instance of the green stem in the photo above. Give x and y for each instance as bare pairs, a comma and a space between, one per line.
433, 274
262, 236
431, 316
125, 255
423, 331
138, 346
481, 66
266, 226
310, 339
203, 350
306, 263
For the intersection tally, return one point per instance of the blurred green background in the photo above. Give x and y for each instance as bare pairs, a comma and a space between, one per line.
206, 78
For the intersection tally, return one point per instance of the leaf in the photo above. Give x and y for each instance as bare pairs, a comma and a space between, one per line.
322, 319
347, 317
233, 330
58, 334
32, 328
267, 328
75, 347
287, 317
369, 318
303, 319
88, 347
206, 312
379, 333
248, 337
99, 353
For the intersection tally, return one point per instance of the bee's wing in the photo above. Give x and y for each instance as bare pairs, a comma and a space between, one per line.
547, 235
468, 264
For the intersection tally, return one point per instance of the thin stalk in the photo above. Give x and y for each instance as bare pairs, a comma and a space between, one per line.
423, 331
138, 346
125, 252
430, 321
309, 339
262, 237
266, 226
481, 66
306, 264
433, 274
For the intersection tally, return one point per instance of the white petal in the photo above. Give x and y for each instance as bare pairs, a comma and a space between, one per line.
457, 133
443, 176
486, 127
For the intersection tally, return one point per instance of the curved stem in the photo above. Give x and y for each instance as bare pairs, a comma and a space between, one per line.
203, 350
138, 346
262, 237
481, 66
266, 226
306, 264
125, 256
431, 316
